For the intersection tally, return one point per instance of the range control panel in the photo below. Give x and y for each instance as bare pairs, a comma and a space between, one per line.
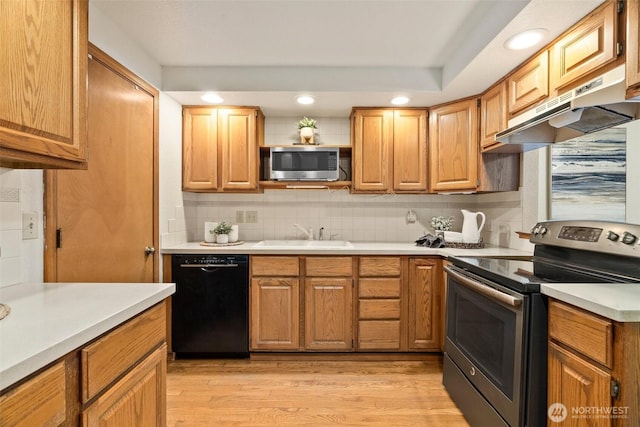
600, 236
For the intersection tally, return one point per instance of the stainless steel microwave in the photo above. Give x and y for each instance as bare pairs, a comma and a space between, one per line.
298, 163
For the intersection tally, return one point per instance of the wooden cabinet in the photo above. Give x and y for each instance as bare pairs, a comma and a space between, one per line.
379, 306
43, 64
593, 363
118, 379
423, 311
39, 401
220, 148
493, 114
586, 47
529, 84
389, 150
275, 299
453, 147
328, 308
139, 398
123, 373
633, 48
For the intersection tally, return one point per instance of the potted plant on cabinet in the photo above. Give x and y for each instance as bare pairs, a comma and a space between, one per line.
222, 232
306, 127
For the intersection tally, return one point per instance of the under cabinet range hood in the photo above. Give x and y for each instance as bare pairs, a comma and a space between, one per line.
596, 105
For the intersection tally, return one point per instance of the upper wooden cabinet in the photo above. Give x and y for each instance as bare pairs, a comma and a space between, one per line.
43, 64
586, 47
529, 84
453, 146
389, 150
493, 114
633, 48
220, 148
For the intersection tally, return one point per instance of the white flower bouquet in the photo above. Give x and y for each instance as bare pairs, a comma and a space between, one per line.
442, 223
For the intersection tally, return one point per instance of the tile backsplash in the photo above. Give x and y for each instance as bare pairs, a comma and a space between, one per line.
20, 192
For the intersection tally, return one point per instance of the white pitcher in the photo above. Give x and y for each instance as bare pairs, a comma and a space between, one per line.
470, 229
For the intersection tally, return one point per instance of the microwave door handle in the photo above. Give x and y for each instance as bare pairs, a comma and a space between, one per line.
484, 290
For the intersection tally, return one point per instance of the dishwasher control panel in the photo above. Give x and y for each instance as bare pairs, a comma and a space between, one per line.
212, 259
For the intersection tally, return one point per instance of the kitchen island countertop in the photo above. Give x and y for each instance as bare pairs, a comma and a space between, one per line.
49, 320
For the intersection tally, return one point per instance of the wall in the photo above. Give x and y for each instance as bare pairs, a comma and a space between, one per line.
21, 260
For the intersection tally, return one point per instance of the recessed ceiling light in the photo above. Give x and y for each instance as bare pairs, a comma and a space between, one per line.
212, 98
305, 99
400, 100
525, 39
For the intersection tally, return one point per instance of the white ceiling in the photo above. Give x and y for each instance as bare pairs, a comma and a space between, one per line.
343, 52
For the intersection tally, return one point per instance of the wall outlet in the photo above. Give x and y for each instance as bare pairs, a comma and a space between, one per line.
251, 216
29, 226
239, 217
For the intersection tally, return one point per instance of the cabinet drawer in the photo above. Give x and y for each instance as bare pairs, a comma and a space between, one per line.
38, 402
380, 288
379, 309
379, 266
329, 266
584, 332
274, 266
379, 334
116, 352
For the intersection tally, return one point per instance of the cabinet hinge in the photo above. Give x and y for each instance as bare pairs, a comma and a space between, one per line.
58, 238
619, 48
353, 283
620, 6
478, 103
615, 388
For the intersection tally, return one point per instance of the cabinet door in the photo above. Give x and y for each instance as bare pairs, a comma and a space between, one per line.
200, 149
453, 146
138, 399
424, 304
633, 44
328, 314
238, 148
372, 139
275, 321
493, 114
529, 84
410, 150
585, 48
576, 383
43, 64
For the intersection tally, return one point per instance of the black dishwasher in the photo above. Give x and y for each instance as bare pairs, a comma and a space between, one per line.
209, 310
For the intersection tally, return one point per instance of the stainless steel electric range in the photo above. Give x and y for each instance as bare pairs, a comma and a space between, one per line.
495, 362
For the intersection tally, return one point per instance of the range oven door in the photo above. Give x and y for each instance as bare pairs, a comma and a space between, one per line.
485, 336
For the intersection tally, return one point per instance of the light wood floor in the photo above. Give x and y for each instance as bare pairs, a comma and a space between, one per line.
310, 393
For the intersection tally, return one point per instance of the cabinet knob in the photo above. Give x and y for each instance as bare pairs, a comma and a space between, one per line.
149, 250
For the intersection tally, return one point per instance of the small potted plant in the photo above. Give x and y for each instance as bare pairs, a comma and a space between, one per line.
306, 127
441, 224
222, 232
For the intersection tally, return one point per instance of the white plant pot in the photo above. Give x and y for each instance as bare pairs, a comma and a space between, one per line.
233, 234
209, 235
306, 135
222, 238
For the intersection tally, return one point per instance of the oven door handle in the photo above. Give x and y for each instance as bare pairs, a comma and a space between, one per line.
484, 289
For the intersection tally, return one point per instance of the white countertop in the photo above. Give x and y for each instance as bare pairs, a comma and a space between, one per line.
357, 248
616, 301
50, 320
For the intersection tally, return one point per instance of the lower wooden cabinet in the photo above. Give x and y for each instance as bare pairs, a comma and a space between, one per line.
345, 303
593, 367
274, 307
119, 379
138, 399
423, 311
40, 401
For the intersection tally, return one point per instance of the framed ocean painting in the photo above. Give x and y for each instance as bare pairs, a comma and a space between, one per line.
588, 177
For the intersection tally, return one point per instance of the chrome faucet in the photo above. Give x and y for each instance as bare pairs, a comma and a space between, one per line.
308, 233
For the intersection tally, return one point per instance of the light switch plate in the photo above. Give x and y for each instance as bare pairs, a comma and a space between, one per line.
251, 216
29, 226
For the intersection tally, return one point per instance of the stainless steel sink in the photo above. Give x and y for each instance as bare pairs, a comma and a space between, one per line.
324, 244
